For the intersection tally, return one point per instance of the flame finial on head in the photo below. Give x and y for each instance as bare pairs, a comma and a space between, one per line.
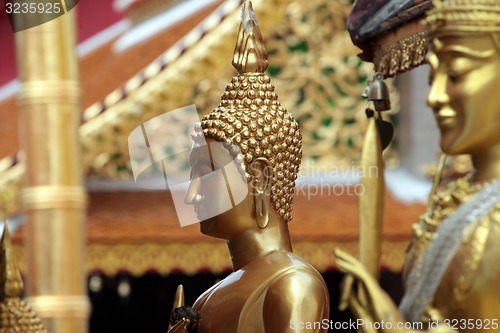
250, 54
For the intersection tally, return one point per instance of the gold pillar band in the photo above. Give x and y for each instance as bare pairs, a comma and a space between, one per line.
49, 197
60, 306
49, 92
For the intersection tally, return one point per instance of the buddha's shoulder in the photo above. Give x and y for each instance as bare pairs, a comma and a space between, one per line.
282, 262
278, 270
291, 270
295, 284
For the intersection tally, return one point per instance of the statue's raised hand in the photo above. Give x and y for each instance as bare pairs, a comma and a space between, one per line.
362, 293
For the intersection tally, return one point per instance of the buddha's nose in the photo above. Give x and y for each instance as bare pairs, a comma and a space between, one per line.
192, 193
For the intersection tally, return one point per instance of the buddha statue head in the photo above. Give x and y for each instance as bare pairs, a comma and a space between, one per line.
15, 314
465, 73
251, 130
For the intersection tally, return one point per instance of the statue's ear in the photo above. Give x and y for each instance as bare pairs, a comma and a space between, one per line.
262, 176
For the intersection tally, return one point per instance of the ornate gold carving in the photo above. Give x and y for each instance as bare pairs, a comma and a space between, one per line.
442, 205
469, 264
454, 16
320, 79
456, 166
47, 197
192, 258
15, 314
401, 55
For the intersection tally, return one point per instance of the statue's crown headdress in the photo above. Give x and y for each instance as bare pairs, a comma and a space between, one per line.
466, 16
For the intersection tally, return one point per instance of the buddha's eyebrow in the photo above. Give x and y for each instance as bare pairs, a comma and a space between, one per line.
201, 156
465, 51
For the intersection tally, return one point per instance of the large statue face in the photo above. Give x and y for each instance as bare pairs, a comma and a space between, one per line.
465, 92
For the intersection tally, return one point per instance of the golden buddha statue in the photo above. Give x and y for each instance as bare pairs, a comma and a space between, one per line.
15, 314
271, 289
452, 267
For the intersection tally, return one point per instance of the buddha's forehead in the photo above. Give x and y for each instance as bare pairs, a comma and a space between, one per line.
211, 150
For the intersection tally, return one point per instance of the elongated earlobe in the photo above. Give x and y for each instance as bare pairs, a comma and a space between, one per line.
261, 190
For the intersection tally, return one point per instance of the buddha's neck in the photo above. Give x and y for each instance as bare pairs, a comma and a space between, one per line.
254, 244
487, 164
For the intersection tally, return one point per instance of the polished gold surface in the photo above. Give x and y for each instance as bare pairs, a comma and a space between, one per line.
271, 289
371, 202
465, 62
15, 315
54, 197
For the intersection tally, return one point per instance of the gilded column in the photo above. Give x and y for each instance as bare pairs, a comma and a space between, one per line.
53, 198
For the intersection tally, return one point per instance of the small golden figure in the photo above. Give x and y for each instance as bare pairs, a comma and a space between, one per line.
452, 268
271, 290
15, 314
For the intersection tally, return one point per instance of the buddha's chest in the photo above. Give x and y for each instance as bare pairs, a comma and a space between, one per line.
222, 307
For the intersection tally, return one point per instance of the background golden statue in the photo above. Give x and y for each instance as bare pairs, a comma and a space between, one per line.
15, 314
451, 273
252, 139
